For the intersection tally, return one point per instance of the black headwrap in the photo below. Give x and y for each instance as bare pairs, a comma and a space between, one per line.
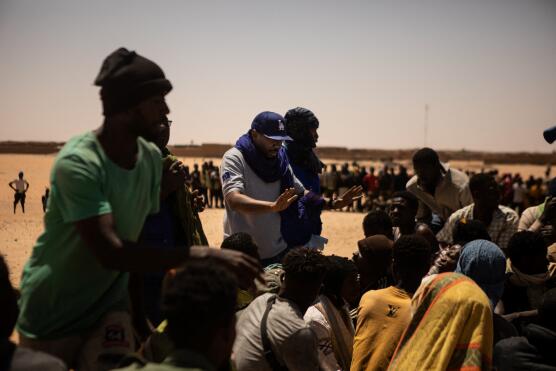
300, 151
126, 78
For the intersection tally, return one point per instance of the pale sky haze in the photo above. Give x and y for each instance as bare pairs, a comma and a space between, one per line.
486, 68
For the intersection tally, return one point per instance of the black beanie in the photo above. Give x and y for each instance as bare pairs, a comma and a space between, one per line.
126, 78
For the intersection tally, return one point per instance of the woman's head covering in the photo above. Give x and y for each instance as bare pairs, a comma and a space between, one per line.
484, 263
451, 328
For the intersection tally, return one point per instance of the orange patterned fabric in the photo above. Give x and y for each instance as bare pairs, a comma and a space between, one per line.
451, 328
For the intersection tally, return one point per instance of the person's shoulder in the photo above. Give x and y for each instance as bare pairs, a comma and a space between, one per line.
508, 212
149, 147
79, 143
531, 211
232, 153
412, 183
84, 148
372, 296
260, 301
79, 153
314, 315
459, 178
462, 212
232, 157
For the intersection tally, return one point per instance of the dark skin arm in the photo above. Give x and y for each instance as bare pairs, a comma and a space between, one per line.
173, 177
100, 236
351, 195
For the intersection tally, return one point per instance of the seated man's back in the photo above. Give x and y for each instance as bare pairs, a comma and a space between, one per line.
382, 318
292, 341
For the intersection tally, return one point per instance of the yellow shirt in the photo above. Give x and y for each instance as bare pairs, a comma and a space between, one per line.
383, 315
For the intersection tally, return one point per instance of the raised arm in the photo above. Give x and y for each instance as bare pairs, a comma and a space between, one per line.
245, 204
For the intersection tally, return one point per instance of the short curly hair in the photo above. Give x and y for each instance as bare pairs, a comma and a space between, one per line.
425, 156
378, 222
338, 269
305, 264
199, 300
242, 242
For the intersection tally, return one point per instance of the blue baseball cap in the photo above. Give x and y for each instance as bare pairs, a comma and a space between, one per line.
550, 134
272, 125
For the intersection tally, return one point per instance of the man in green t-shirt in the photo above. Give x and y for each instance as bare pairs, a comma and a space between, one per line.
103, 185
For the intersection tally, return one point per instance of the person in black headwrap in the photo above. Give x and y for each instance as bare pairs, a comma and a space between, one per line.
301, 126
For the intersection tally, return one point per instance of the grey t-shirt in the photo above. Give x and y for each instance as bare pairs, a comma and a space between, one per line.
30, 360
264, 228
292, 340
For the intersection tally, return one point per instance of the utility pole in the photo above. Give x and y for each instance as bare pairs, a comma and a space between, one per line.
426, 124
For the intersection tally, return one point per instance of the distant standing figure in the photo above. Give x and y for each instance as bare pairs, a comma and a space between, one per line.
45, 199
20, 187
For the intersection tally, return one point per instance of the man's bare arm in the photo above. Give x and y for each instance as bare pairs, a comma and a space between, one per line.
245, 204
100, 236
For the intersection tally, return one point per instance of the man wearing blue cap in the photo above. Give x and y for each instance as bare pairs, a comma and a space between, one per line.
258, 183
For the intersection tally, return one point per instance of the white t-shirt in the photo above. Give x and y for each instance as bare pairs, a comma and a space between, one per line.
293, 342
322, 330
236, 175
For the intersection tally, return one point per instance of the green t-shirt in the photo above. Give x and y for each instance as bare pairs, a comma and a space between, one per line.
64, 288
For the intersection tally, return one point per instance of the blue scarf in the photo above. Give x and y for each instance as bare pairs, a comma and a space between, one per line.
268, 169
484, 263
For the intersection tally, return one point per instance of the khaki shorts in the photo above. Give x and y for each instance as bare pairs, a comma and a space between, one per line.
101, 348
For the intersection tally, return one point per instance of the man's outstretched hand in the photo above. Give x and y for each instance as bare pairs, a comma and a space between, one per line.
284, 200
351, 195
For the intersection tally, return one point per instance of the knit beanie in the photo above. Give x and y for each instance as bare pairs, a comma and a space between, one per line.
126, 79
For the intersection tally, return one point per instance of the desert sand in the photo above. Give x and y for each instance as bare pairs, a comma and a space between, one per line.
18, 232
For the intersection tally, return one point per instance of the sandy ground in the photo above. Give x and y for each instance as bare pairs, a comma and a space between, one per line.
18, 232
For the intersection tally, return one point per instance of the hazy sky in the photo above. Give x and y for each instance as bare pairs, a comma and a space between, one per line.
487, 69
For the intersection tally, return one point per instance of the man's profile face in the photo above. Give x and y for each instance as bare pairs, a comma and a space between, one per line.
314, 134
269, 147
148, 116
